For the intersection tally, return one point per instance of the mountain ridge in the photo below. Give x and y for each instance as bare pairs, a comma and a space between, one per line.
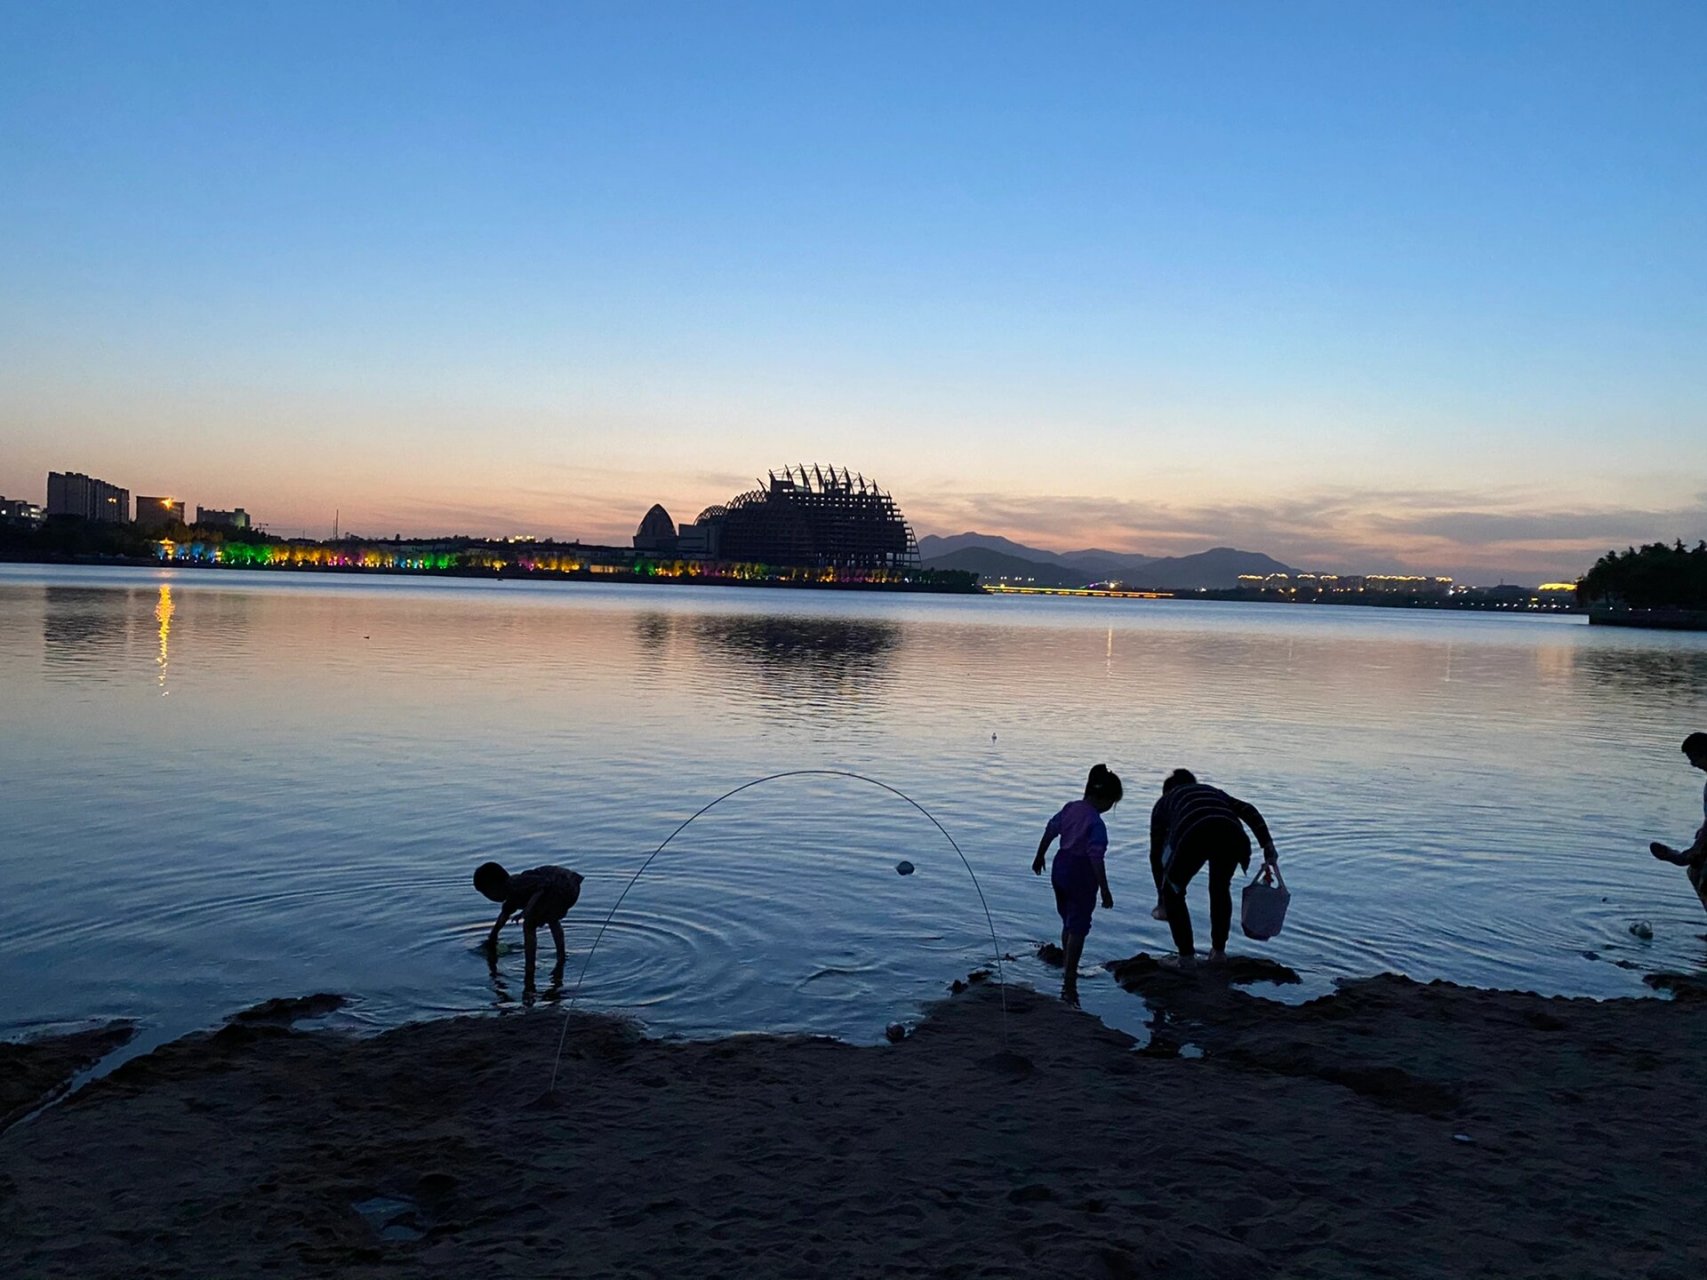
994, 557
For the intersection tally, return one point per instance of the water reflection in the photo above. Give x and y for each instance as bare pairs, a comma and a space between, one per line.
800, 656
82, 632
1643, 671
653, 630
551, 993
163, 614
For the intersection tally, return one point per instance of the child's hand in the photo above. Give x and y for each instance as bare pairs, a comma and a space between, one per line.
1037, 865
1107, 900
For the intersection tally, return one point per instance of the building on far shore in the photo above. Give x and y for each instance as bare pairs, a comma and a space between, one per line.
1339, 584
71, 493
819, 518
154, 514
213, 518
657, 533
17, 511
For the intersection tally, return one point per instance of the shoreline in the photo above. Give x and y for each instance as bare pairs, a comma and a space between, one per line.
1390, 1128
1219, 595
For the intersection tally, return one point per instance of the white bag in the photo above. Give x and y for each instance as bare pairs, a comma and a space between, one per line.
1262, 906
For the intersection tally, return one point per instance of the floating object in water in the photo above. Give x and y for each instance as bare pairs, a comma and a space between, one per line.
989, 920
1643, 930
895, 1033
1463, 1137
903, 868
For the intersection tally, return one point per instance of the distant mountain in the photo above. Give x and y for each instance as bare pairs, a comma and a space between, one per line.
1104, 562
1217, 569
993, 566
993, 557
931, 547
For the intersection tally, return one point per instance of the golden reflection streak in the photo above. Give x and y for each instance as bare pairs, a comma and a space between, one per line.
164, 611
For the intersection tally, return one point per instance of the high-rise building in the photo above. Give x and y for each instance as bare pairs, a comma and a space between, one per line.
71, 493
212, 518
155, 514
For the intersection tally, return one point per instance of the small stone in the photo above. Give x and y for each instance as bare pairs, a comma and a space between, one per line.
895, 1033
1643, 930
903, 868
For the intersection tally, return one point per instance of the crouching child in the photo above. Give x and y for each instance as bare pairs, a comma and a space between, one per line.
542, 896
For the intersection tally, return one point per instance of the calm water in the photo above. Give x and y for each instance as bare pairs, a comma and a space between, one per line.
219, 787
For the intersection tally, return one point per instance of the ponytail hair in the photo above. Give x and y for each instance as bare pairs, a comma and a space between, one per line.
1103, 784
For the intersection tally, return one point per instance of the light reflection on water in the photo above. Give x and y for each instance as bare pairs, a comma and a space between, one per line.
1455, 796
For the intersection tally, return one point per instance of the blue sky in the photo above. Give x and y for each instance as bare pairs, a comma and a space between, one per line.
1361, 285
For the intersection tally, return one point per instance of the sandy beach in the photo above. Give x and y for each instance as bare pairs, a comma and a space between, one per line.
1391, 1129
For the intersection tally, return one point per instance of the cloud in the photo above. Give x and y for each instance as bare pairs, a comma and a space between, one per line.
1474, 528
1507, 532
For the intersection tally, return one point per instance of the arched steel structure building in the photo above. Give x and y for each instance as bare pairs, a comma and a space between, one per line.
817, 517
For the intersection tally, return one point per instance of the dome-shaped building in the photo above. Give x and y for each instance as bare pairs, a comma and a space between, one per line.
657, 532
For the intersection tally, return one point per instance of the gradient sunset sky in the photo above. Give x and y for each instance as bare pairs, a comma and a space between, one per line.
1366, 286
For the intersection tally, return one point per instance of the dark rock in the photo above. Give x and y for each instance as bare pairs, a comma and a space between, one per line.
284, 1010
1683, 986
1143, 970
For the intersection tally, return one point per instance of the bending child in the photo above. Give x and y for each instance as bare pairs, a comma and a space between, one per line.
1693, 858
543, 896
1079, 874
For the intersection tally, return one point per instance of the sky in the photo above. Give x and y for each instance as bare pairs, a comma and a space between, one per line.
1368, 287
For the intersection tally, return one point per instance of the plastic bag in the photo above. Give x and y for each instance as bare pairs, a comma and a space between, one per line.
1262, 906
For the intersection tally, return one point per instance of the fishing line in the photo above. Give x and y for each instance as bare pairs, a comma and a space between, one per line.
995, 942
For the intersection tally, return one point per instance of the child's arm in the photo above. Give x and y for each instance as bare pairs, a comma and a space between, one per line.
504, 915
1102, 883
1050, 831
1042, 848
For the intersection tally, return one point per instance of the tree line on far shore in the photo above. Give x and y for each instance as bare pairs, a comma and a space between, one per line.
1652, 577
72, 537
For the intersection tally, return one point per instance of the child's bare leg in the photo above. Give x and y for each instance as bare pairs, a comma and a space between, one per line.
1072, 947
557, 937
530, 944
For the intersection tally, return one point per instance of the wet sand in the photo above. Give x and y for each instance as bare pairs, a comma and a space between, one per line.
1392, 1129
37, 1070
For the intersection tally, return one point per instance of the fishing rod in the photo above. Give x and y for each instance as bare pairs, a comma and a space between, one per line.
995, 942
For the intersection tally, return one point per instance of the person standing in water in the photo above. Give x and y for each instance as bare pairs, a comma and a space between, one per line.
1693, 858
1079, 873
1194, 824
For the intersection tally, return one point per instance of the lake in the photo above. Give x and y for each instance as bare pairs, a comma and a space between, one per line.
223, 786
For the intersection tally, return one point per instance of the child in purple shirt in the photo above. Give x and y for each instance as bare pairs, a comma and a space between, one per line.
1078, 874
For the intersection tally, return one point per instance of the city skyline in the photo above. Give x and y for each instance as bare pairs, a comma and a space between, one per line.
1375, 291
